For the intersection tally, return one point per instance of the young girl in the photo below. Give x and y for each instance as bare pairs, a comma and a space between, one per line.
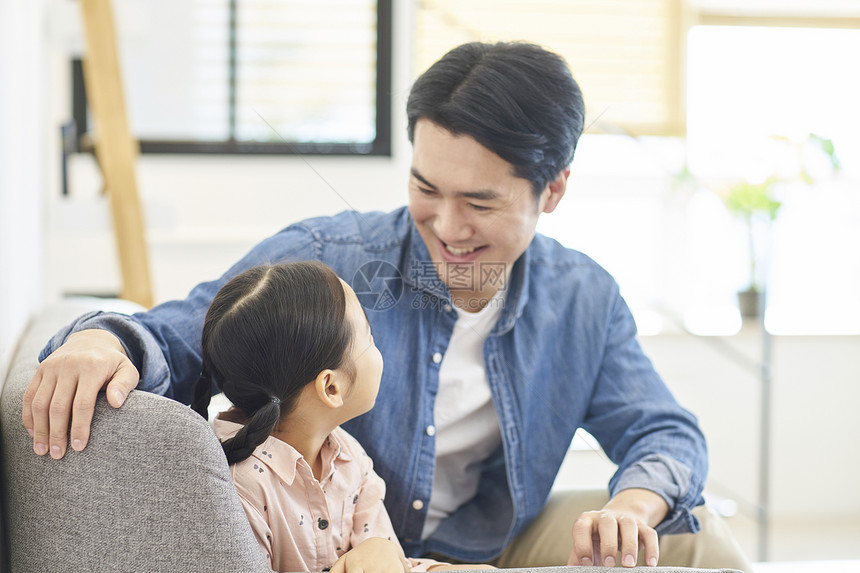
290, 346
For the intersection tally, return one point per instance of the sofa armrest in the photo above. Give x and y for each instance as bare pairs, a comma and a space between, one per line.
152, 491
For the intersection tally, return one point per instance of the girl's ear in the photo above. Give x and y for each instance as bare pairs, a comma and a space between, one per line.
329, 389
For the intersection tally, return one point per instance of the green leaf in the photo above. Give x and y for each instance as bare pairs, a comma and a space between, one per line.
826, 145
746, 199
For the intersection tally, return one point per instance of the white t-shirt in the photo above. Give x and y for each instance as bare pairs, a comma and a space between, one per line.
467, 425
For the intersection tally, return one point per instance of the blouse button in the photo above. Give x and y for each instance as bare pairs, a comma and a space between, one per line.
437, 358
322, 523
431, 430
417, 505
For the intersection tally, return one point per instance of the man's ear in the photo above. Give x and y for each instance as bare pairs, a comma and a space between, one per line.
556, 188
329, 389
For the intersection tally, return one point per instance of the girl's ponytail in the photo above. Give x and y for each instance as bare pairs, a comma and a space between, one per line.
202, 394
257, 428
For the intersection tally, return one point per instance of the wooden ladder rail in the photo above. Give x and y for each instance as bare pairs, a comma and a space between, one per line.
116, 149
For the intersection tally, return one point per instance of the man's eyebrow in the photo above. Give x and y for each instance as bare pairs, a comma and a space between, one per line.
479, 194
421, 178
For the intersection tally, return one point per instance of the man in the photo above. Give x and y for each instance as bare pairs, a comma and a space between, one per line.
498, 342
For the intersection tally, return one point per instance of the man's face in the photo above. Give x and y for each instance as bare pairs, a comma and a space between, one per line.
471, 210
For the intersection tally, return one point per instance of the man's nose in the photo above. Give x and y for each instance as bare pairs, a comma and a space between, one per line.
452, 225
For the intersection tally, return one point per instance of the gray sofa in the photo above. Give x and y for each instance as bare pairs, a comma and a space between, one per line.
151, 492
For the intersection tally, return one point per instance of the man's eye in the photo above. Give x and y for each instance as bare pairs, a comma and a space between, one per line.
480, 208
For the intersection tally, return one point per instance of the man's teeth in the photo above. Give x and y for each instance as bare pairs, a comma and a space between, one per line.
459, 252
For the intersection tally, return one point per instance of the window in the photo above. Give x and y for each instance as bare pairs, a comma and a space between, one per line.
625, 54
256, 76
754, 95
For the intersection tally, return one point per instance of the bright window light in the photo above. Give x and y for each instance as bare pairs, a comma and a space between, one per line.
745, 86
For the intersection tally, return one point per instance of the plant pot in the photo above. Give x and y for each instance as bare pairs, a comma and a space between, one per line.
751, 303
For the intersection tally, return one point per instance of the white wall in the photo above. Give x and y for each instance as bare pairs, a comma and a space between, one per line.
815, 431
22, 163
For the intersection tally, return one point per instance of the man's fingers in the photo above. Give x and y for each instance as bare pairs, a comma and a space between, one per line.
583, 549
59, 412
27, 407
607, 528
628, 531
124, 380
599, 537
83, 409
40, 406
651, 545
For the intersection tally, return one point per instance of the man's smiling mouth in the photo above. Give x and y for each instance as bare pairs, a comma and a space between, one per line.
460, 252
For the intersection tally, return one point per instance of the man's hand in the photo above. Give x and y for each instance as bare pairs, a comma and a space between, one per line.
66, 385
625, 521
374, 555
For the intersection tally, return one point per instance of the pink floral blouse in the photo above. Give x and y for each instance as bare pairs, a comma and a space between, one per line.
303, 524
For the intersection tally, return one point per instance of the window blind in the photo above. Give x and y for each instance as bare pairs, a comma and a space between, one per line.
308, 69
625, 54
256, 73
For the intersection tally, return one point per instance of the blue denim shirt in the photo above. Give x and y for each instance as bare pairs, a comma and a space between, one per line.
562, 355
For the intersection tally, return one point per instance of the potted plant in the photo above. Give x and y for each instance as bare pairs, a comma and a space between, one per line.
754, 205
757, 205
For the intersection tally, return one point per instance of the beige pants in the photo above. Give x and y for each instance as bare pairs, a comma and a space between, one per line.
547, 541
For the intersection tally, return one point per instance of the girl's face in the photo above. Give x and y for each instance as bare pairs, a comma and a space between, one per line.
366, 358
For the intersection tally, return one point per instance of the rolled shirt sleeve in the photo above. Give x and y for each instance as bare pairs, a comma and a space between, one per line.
140, 346
668, 478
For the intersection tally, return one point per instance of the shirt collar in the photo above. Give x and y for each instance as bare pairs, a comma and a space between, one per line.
281, 457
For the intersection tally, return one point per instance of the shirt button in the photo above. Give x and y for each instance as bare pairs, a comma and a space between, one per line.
322, 523
437, 358
431, 430
417, 505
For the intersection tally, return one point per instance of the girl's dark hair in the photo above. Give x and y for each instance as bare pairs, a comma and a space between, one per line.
269, 332
518, 100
